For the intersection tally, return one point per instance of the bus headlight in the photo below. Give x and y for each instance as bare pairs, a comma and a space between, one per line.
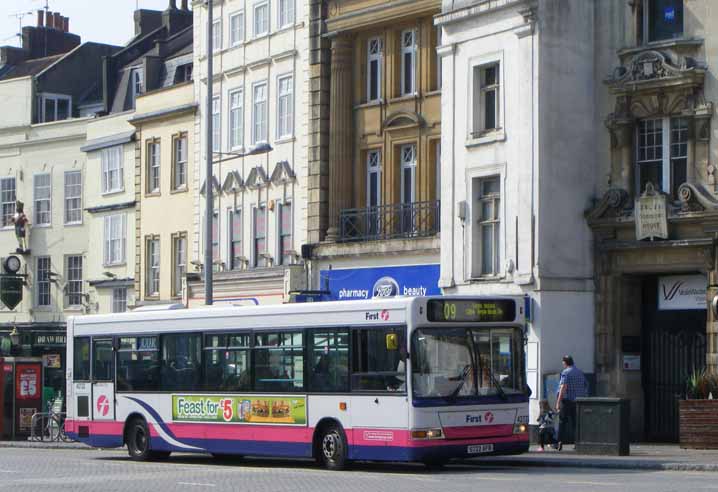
427, 434
520, 428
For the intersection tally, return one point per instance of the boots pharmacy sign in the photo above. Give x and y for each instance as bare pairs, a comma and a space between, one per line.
682, 292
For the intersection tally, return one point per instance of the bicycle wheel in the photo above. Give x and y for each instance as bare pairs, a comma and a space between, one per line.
55, 428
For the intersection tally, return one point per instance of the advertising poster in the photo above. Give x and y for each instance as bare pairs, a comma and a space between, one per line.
52, 361
25, 418
27, 382
287, 410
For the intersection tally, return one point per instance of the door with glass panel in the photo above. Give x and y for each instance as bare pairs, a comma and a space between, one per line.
408, 189
373, 193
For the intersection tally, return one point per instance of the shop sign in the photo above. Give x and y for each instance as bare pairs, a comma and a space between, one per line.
52, 361
27, 383
50, 339
651, 215
369, 283
682, 292
11, 290
240, 409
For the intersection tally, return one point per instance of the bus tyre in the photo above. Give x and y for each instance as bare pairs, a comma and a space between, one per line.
333, 448
138, 440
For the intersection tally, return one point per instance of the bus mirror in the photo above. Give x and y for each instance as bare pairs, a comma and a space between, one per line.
392, 341
116, 343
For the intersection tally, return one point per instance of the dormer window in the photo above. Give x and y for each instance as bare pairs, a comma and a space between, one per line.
662, 19
53, 107
137, 81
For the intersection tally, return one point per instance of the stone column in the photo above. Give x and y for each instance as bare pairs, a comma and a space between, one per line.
340, 133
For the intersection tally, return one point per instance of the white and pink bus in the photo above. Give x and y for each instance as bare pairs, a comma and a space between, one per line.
422, 379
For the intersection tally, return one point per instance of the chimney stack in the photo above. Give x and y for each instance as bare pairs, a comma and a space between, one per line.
173, 5
50, 21
40, 18
185, 5
66, 24
58, 21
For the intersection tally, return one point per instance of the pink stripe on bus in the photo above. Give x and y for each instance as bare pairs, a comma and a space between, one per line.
474, 431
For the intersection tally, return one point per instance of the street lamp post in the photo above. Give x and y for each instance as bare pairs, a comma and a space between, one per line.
261, 148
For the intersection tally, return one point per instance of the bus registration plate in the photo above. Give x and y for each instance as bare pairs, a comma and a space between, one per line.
480, 448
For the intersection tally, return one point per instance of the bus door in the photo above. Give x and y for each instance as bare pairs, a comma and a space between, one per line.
103, 375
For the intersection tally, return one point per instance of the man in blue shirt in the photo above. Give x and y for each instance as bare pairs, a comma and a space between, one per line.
571, 386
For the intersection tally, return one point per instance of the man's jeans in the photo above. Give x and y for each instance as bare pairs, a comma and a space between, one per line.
567, 420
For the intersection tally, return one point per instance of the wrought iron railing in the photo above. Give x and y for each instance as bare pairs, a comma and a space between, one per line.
401, 220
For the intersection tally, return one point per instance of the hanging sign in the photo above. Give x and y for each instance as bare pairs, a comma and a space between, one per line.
682, 292
651, 215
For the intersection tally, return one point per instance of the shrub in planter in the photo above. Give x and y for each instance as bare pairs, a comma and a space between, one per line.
699, 412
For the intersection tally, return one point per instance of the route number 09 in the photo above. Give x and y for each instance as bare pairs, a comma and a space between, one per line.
449, 311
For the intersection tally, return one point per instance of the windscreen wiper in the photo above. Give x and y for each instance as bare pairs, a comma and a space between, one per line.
462, 379
499, 389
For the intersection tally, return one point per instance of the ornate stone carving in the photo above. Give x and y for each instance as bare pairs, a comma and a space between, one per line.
652, 65
613, 204
695, 197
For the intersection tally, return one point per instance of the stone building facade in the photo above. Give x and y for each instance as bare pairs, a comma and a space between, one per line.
260, 99
654, 227
378, 151
516, 177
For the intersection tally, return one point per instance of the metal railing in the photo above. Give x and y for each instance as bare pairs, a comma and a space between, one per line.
401, 220
48, 426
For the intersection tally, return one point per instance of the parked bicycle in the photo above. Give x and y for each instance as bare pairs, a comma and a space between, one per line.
50, 425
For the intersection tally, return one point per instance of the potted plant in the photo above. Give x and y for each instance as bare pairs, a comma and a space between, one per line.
698, 413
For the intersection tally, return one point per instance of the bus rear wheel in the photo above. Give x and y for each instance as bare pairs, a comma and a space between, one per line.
138, 440
333, 448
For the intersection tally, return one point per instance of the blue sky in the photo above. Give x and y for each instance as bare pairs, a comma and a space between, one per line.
105, 21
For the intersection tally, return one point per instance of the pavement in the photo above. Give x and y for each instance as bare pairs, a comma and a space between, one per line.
38, 470
655, 457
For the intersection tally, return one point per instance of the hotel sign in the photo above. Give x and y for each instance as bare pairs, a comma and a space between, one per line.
682, 292
651, 215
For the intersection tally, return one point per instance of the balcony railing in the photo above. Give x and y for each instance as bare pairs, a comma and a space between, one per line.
401, 220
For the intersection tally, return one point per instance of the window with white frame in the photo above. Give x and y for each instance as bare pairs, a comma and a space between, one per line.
53, 107
7, 201
42, 192
137, 83
408, 62
662, 19
375, 48
236, 28
179, 262
236, 119
261, 19
662, 154
286, 247
216, 252
286, 13
408, 174
73, 197
217, 35
285, 106
486, 106
42, 281
260, 236
373, 180
73, 276
153, 166
235, 239
115, 227
439, 31
119, 299
487, 201
112, 171
216, 125
259, 112
179, 164
152, 275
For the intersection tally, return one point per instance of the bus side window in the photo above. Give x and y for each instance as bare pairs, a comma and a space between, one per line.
278, 362
81, 359
375, 367
329, 360
181, 362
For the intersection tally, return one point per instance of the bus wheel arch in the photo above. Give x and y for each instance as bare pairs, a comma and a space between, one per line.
128, 421
329, 444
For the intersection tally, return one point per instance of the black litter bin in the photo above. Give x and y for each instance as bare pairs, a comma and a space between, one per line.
603, 426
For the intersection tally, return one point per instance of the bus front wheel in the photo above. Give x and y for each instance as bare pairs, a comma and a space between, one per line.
138, 440
333, 448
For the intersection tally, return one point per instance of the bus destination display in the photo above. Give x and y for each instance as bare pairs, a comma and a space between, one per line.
464, 311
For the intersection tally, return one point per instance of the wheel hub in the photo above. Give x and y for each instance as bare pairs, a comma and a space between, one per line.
329, 446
